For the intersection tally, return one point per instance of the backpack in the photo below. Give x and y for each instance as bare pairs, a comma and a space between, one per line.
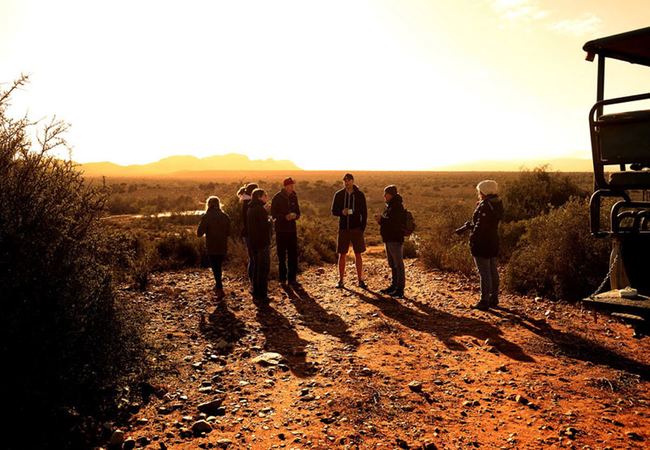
408, 226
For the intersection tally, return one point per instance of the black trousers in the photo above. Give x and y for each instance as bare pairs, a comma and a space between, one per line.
216, 262
287, 246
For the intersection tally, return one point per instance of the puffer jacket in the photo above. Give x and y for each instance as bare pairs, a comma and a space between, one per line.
390, 225
484, 240
215, 225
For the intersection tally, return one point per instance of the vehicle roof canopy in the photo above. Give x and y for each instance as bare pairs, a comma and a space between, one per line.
633, 47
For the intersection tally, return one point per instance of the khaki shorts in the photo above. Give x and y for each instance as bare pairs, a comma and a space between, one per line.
355, 236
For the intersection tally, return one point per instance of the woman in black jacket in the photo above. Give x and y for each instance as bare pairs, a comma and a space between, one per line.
484, 241
215, 225
259, 235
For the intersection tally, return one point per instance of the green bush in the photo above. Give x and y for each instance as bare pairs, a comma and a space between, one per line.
316, 247
70, 341
443, 249
557, 257
534, 192
181, 250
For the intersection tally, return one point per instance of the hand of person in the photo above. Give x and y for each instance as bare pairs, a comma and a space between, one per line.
345, 211
378, 218
289, 216
267, 206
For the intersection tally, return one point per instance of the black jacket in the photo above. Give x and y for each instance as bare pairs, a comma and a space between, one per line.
392, 219
355, 201
484, 240
281, 205
259, 226
215, 224
244, 214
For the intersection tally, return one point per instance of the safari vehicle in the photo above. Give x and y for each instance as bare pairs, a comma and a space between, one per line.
620, 145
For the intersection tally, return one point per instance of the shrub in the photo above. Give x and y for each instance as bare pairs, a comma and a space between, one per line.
315, 246
440, 247
70, 340
557, 257
535, 192
180, 250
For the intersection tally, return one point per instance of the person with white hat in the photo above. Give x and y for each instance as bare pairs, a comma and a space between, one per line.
484, 241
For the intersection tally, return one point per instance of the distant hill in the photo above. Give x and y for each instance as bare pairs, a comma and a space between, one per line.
173, 164
561, 164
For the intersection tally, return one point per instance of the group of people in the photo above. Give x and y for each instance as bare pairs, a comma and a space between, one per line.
260, 217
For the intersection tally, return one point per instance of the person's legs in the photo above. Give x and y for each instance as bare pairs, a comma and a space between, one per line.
342, 257
216, 262
262, 265
494, 284
391, 264
292, 255
251, 266
483, 266
358, 260
359, 246
281, 246
396, 261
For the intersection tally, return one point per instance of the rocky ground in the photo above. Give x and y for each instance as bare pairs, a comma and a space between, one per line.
324, 368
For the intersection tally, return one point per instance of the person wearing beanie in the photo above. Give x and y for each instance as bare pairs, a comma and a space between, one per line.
215, 225
349, 205
285, 211
259, 234
245, 203
392, 234
484, 241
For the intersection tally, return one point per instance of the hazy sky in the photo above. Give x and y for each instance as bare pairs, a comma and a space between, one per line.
351, 84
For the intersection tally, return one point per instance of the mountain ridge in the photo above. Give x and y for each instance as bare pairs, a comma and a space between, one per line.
184, 163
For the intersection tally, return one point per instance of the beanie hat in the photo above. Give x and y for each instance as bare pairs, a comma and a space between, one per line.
487, 187
288, 181
250, 187
392, 190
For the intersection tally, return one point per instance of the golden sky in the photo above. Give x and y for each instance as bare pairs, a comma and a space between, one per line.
351, 84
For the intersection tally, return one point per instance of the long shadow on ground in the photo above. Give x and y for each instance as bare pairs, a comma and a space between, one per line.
223, 325
314, 316
283, 339
444, 326
575, 346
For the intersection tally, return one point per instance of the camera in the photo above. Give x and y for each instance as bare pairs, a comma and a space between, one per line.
466, 226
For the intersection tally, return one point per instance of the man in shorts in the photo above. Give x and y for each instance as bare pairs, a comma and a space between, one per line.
349, 205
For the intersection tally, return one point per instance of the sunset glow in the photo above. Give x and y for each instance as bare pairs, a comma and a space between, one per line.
375, 84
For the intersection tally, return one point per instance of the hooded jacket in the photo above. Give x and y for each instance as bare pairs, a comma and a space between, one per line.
281, 205
215, 225
392, 219
355, 201
484, 240
259, 227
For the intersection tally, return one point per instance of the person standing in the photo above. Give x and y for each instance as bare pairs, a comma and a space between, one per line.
285, 210
349, 205
245, 203
392, 234
215, 225
259, 234
484, 241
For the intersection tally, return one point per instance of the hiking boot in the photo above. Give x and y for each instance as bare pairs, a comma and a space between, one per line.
362, 284
388, 290
480, 305
220, 294
494, 301
295, 284
397, 293
340, 285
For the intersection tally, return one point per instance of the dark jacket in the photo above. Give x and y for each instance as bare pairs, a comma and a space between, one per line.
281, 205
259, 226
355, 201
244, 215
392, 219
484, 240
215, 224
